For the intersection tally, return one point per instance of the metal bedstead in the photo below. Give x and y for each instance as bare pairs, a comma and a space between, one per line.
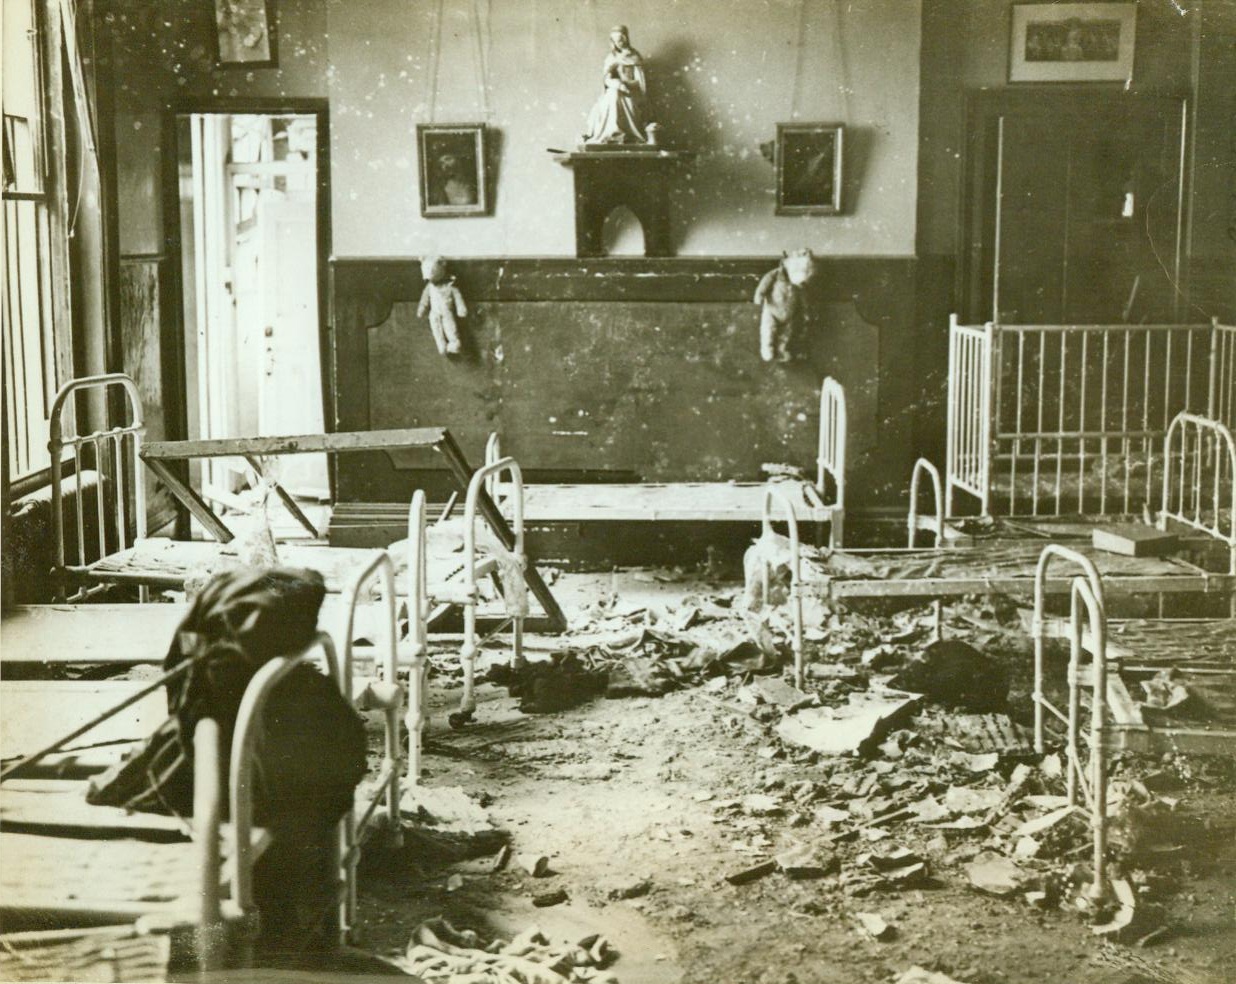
1198, 492
702, 501
231, 917
1202, 651
1045, 418
113, 455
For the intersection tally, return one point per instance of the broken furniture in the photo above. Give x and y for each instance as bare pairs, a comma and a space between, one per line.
20, 809
1044, 416
1120, 652
594, 505
159, 455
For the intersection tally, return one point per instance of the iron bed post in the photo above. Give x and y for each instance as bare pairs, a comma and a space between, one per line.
771, 494
418, 659
912, 521
207, 816
1084, 597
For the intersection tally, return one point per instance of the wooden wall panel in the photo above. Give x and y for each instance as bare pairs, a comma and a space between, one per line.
624, 369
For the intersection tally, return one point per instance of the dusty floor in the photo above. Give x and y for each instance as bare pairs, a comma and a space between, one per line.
661, 798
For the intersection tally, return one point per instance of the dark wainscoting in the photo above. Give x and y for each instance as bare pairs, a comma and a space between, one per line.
625, 369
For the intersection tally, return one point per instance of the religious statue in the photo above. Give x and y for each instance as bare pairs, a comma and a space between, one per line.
620, 115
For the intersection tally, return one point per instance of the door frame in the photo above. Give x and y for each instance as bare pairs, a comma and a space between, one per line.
975, 222
174, 371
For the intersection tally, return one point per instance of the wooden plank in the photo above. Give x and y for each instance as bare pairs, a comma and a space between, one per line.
190, 499
288, 502
379, 440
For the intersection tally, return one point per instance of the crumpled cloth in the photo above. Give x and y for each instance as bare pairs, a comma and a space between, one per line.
438, 952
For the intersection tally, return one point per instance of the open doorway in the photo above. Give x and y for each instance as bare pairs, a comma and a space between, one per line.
250, 193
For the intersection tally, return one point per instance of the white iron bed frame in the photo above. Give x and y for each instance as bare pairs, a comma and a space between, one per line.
1033, 410
741, 502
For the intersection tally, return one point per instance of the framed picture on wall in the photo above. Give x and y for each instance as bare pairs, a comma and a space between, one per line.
245, 34
1072, 42
453, 175
808, 162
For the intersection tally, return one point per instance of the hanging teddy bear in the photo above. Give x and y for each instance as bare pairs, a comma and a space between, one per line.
443, 302
781, 293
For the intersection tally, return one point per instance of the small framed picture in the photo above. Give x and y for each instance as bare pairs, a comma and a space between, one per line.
453, 177
245, 34
808, 159
1072, 42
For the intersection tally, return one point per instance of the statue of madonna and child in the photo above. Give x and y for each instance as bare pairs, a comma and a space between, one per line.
620, 116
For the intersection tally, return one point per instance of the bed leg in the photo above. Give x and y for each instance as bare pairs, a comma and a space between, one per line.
415, 718
937, 608
517, 642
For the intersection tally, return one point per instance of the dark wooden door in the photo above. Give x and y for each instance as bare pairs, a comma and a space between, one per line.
1073, 208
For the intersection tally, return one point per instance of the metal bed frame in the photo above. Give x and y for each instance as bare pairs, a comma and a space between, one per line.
108, 455
1031, 408
677, 505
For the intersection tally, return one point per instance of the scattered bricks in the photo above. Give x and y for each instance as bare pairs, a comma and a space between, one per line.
801, 863
875, 926
994, 875
631, 890
762, 805
755, 873
543, 900
454, 883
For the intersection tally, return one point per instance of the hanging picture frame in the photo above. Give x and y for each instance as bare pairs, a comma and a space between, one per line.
245, 34
1072, 42
808, 161
454, 179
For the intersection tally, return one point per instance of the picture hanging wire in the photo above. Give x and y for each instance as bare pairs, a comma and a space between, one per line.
838, 66
481, 33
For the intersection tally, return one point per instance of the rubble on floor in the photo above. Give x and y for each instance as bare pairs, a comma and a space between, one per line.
438, 952
903, 765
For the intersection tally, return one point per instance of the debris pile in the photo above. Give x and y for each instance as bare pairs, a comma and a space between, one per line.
440, 952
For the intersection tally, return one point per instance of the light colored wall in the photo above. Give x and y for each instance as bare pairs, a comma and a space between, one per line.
722, 73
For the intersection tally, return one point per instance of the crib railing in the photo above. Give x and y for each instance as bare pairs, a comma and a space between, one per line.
1052, 419
112, 455
830, 456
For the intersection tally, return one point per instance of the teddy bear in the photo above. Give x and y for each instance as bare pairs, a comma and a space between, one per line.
781, 293
443, 302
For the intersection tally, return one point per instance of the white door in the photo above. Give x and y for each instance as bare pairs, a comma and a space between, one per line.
289, 371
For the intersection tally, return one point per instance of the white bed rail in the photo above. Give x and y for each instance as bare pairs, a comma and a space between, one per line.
417, 658
773, 495
516, 557
1199, 479
383, 694
1087, 632
934, 523
245, 744
113, 454
1052, 419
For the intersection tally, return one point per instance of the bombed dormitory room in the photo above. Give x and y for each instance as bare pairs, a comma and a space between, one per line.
619, 491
